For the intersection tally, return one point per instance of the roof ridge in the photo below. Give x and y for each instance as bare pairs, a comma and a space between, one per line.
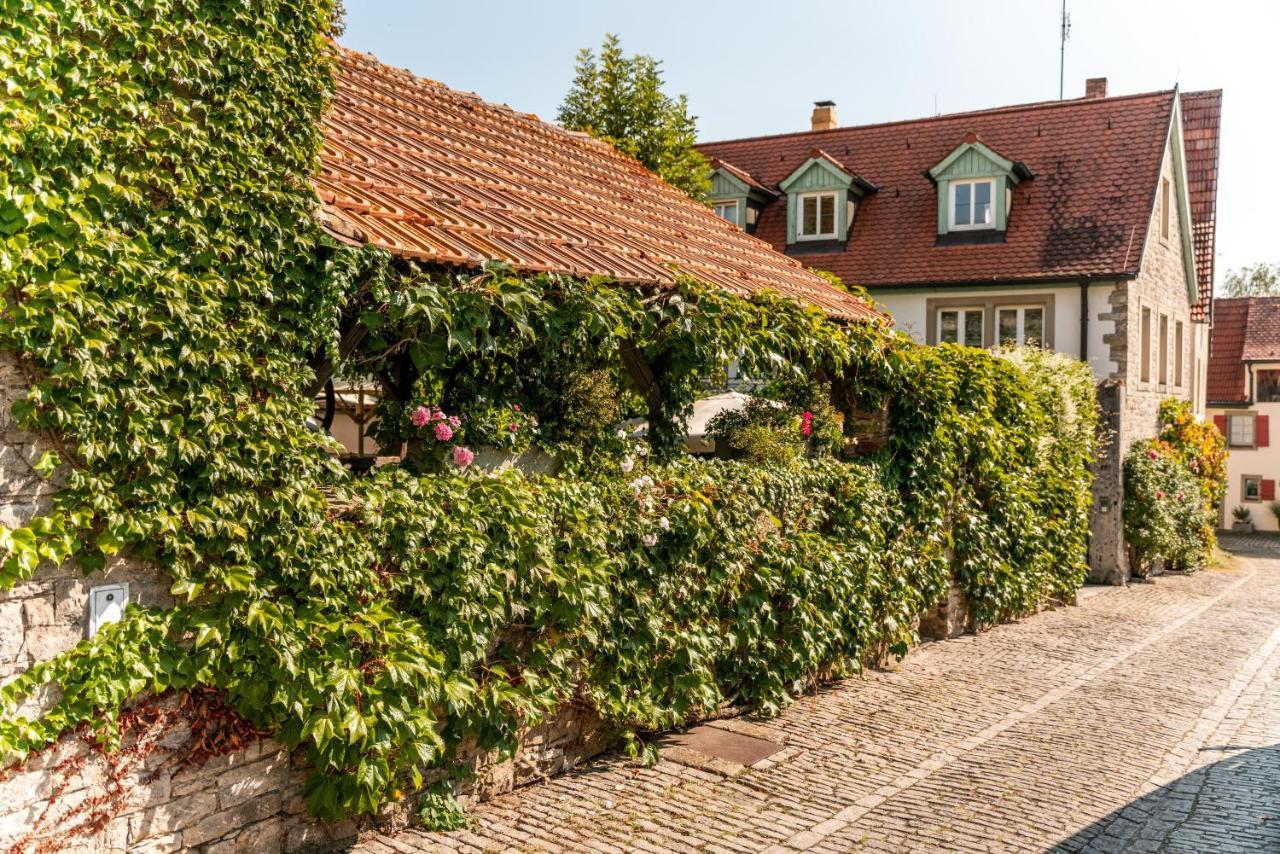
1009, 108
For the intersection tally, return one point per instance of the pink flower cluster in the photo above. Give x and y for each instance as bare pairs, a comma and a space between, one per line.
806, 423
444, 424
463, 456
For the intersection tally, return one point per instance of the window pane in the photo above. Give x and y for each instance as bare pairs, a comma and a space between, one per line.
828, 218
1241, 429
982, 204
973, 328
1268, 386
961, 215
1008, 326
1252, 488
809, 223
949, 327
1033, 327
728, 210
1145, 356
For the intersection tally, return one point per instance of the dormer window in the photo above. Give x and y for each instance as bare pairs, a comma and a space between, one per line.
971, 204
817, 216
728, 210
736, 197
975, 193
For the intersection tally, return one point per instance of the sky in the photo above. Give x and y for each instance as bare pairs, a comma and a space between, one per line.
753, 67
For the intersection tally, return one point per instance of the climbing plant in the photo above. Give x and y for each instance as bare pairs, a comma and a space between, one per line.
169, 296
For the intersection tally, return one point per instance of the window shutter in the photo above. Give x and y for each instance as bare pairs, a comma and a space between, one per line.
1220, 421
1261, 437
1268, 490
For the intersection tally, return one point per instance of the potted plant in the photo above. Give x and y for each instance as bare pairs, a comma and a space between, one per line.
1243, 519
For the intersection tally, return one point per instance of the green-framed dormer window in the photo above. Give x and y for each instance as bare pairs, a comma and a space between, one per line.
728, 210
737, 197
822, 199
975, 191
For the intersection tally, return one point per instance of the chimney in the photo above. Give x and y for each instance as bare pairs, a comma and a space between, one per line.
1095, 87
824, 115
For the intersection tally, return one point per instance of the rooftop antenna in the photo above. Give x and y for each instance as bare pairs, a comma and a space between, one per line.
1062, 50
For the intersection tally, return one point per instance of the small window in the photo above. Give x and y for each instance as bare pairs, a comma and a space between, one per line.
971, 204
960, 326
817, 216
1164, 349
727, 210
1177, 353
1144, 358
1240, 433
1267, 386
1252, 490
1020, 325
1164, 208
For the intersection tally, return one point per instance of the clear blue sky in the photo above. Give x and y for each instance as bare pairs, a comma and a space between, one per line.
754, 67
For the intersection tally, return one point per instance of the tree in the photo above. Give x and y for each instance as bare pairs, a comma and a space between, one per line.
619, 99
1253, 280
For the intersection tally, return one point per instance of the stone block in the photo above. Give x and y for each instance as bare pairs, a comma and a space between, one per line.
71, 601
11, 632
319, 836
219, 824
253, 780
46, 642
38, 611
264, 836
159, 844
173, 816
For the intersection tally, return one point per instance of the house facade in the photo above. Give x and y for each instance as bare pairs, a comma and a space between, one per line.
1084, 225
1243, 397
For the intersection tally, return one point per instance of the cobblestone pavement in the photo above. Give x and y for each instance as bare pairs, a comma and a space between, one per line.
1144, 719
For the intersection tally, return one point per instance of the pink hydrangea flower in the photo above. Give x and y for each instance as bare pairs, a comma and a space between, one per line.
463, 456
1181, 495
420, 417
513, 427
649, 540
1153, 455
455, 422
516, 407
1159, 495
437, 414
443, 432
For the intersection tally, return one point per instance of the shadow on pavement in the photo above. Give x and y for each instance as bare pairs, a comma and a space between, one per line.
1232, 805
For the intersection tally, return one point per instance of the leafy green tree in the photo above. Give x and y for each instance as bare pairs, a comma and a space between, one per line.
619, 99
1252, 280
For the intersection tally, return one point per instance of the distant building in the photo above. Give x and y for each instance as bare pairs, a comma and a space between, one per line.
1244, 393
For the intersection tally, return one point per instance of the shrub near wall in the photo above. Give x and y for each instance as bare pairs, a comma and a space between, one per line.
166, 285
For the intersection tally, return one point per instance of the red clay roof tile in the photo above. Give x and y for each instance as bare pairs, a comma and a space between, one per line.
1201, 127
437, 175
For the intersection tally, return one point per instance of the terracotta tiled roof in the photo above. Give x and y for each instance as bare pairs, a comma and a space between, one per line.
437, 175
742, 176
1244, 330
1201, 125
1085, 213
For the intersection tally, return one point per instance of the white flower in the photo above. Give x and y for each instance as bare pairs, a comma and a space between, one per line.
664, 523
622, 433
649, 540
627, 465
643, 450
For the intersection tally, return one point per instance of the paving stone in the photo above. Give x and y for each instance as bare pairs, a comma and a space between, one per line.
1144, 719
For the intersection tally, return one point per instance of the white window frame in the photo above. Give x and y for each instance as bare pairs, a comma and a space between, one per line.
726, 204
1020, 330
835, 215
961, 311
1249, 418
951, 205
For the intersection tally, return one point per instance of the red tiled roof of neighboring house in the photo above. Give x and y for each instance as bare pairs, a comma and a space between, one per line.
1246, 329
1201, 127
437, 175
1084, 214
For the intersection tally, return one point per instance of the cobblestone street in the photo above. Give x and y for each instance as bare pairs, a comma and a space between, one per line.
1145, 719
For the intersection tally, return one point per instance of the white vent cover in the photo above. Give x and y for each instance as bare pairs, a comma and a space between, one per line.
106, 605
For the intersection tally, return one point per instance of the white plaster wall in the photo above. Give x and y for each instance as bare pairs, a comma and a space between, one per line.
1264, 462
910, 315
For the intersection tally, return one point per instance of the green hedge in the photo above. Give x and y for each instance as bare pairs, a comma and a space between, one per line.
165, 287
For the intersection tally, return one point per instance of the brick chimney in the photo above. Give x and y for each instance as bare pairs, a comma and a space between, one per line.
1095, 87
824, 115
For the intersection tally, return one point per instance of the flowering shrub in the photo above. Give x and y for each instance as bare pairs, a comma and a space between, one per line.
1174, 486
505, 426
1164, 511
784, 420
